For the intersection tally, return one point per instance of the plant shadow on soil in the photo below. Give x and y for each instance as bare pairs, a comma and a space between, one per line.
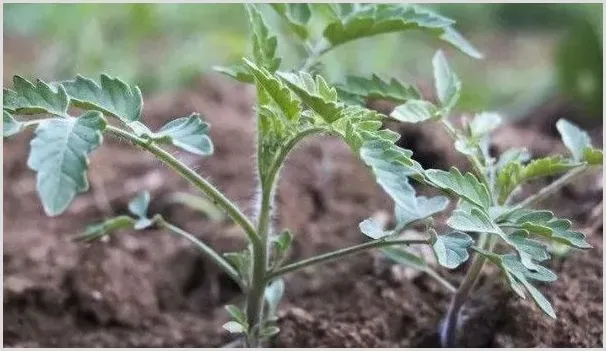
151, 289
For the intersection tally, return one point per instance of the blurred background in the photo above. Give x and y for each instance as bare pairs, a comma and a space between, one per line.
535, 53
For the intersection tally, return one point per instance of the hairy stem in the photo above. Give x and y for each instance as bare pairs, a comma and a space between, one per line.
343, 252
553, 187
205, 249
316, 52
200, 183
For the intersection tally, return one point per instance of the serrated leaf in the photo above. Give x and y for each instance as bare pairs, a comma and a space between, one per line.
374, 19
575, 139
528, 249
419, 207
237, 314
466, 186
545, 167
451, 248
188, 133
10, 126
29, 98
59, 155
415, 111
448, 85
273, 294
98, 230
264, 43
316, 94
111, 96
373, 229
593, 156
376, 88
234, 327
279, 93
518, 275
545, 224
296, 15
237, 72
473, 220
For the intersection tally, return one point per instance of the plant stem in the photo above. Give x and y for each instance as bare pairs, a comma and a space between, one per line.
342, 252
553, 187
318, 50
205, 249
449, 329
200, 183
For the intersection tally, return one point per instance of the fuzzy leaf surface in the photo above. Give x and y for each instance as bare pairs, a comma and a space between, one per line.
419, 207
32, 98
373, 19
372, 229
316, 94
451, 249
264, 43
466, 186
377, 88
138, 206
297, 16
59, 155
188, 133
473, 220
111, 96
575, 139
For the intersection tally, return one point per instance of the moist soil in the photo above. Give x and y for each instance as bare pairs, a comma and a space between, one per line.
152, 289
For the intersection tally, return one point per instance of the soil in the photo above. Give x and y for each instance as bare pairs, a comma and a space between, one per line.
150, 289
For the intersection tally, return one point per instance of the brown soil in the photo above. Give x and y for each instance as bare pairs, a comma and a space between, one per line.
149, 289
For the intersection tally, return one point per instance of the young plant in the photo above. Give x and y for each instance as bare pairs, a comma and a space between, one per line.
292, 105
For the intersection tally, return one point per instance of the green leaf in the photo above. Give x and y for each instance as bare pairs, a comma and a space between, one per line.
518, 275
466, 186
29, 98
273, 295
316, 94
188, 133
264, 44
575, 139
112, 96
448, 85
98, 230
284, 241
376, 88
545, 167
451, 248
10, 126
374, 19
269, 331
279, 93
236, 313
593, 156
296, 15
138, 206
473, 220
545, 224
237, 72
519, 155
414, 111
59, 155
373, 229
419, 207
241, 261
234, 327
528, 249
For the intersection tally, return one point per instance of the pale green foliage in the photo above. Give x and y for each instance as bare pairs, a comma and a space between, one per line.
415, 111
111, 96
373, 229
466, 186
296, 15
29, 98
138, 207
188, 133
419, 207
315, 94
377, 88
472, 220
264, 43
451, 248
10, 126
59, 155
448, 85
273, 295
372, 19
578, 142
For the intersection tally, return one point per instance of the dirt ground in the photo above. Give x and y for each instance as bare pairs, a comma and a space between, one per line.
151, 289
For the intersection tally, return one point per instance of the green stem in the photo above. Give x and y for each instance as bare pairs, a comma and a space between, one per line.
321, 48
553, 187
205, 249
200, 183
342, 252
